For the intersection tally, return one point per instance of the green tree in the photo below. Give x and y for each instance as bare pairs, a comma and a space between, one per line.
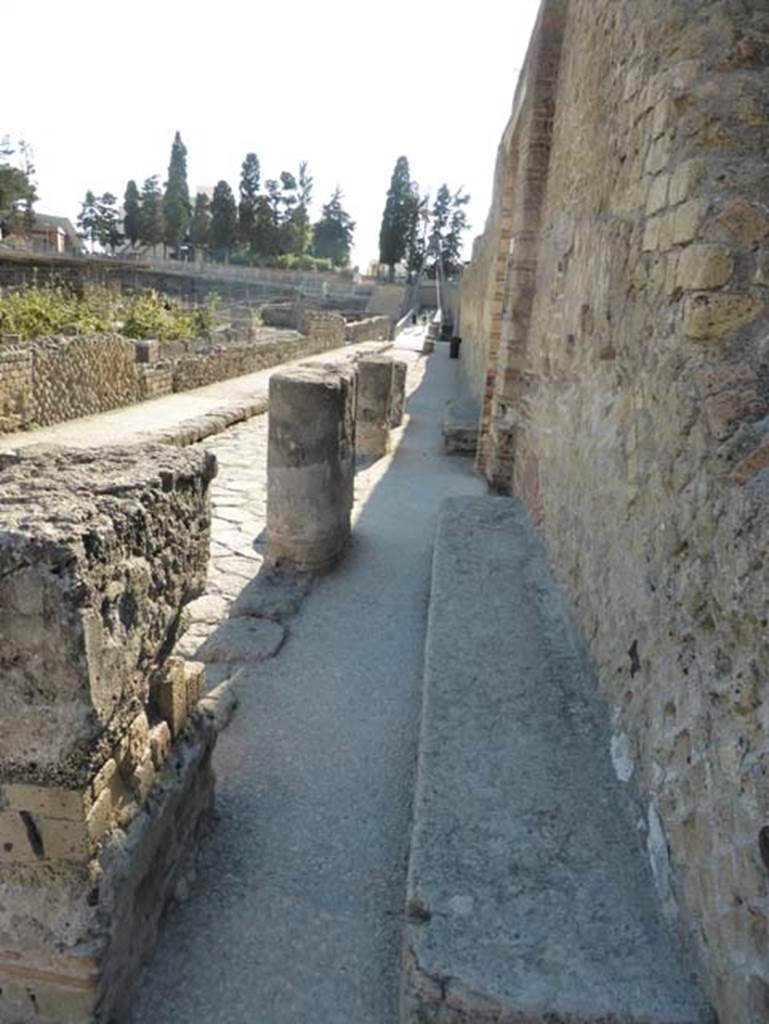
249, 193
107, 226
151, 224
224, 221
17, 191
176, 199
200, 225
449, 222
88, 218
131, 212
298, 232
393, 234
417, 219
332, 235
265, 241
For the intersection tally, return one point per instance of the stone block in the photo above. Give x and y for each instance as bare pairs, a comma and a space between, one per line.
172, 695
98, 552
310, 466
711, 316
398, 393
684, 180
372, 420
741, 223
658, 194
688, 221
147, 350
701, 267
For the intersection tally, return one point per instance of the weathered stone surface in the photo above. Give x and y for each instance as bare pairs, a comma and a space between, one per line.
523, 839
711, 317
243, 639
398, 393
704, 266
310, 466
461, 426
642, 456
372, 419
99, 550
274, 594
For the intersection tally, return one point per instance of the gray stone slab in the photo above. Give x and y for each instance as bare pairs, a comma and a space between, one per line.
245, 639
273, 594
529, 895
461, 426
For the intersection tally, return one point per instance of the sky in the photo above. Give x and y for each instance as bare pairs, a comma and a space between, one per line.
99, 88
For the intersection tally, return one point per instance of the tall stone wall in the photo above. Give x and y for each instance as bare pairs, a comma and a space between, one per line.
628, 404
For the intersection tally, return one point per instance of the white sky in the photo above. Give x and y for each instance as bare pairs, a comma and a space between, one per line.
98, 88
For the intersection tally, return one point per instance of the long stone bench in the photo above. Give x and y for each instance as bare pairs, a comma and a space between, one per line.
530, 895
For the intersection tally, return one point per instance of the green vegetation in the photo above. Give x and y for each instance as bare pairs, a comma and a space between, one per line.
36, 312
332, 235
17, 191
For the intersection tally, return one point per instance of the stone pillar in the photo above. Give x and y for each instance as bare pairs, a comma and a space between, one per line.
398, 394
310, 466
372, 422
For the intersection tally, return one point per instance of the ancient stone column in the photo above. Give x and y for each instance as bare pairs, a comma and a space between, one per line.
372, 422
398, 393
310, 466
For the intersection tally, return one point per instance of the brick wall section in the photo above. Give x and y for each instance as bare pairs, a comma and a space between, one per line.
630, 409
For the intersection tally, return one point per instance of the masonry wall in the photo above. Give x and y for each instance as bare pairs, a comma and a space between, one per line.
60, 378
628, 405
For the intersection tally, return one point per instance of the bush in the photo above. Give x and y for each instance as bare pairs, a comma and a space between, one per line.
39, 311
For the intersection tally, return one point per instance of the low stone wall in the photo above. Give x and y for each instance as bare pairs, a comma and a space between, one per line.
60, 378
373, 328
105, 780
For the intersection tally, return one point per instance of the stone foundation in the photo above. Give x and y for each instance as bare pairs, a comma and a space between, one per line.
105, 781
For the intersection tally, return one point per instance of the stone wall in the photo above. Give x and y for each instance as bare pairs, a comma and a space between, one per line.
374, 328
60, 378
105, 780
628, 404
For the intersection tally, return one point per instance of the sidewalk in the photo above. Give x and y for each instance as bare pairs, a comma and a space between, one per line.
298, 908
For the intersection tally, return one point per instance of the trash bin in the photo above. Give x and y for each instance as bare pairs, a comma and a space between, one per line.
454, 348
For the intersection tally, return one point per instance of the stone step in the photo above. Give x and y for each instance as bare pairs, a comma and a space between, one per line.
530, 898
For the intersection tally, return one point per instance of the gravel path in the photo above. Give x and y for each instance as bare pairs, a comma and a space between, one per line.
297, 913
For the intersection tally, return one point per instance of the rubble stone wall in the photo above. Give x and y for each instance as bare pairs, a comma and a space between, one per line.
627, 402
105, 780
61, 378
373, 328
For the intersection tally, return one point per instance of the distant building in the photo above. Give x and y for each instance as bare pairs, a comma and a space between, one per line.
52, 234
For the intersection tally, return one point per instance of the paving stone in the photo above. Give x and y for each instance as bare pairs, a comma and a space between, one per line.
244, 639
272, 595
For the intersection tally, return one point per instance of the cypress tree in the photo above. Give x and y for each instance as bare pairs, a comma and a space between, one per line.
176, 199
224, 220
393, 234
131, 212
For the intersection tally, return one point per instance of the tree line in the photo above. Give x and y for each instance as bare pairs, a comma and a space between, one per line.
423, 238
265, 224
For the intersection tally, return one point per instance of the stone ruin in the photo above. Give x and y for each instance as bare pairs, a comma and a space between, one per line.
105, 777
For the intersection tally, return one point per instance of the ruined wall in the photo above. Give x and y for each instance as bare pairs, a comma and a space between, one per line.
105, 780
60, 378
373, 328
629, 407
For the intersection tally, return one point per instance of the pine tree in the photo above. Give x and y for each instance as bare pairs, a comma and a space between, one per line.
265, 238
131, 212
200, 225
107, 226
417, 217
176, 199
151, 224
449, 222
87, 218
224, 221
332, 235
393, 234
299, 233
249, 193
